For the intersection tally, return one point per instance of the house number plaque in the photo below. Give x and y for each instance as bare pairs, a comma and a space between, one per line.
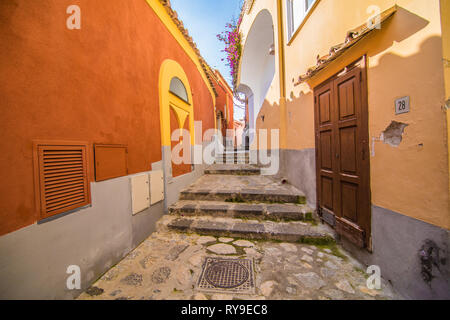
402, 105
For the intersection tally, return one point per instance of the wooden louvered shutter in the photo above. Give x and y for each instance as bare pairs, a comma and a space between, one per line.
63, 178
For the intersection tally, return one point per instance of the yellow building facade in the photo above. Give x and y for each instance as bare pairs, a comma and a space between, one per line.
293, 49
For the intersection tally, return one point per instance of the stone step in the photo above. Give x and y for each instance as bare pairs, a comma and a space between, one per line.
232, 159
241, 155
259, 211
238, 189
243, 196
234, 169
228, 151
233, 155
251, 230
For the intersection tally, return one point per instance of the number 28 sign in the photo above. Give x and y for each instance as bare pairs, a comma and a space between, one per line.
402, 105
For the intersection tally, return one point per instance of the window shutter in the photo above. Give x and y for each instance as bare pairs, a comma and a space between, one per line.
63, 178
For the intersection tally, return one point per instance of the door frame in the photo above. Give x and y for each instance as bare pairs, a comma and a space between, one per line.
326, 216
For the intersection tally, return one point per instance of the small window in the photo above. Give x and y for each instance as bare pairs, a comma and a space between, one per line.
61, 174
110, 161
177, 88
296, 12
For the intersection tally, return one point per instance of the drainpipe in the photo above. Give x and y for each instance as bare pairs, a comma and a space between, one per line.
281, 64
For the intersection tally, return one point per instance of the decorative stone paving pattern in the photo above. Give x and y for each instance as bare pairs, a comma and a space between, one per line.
169, 264
222, 249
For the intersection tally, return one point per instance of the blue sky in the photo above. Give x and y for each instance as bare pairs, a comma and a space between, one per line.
205, 19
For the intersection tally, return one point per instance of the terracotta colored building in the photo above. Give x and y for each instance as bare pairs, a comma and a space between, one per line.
359, 91
86, 118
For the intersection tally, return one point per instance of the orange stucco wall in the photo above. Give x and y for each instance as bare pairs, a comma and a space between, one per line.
98, 84
404, 59
225, 98
230, 105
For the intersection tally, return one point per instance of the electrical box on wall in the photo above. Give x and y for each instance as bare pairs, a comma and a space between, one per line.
156, 186
140, 193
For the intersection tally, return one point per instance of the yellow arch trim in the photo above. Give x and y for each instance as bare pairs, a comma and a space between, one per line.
169, 70
181, 115
161, 12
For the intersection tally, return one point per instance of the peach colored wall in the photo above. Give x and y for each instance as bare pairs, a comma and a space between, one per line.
404, 59
98, 84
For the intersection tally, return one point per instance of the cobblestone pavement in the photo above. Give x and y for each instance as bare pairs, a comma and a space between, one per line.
167, 266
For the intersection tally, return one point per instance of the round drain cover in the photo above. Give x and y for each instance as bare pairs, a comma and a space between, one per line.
226, 274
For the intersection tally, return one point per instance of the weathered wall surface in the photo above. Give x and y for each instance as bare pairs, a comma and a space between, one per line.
412, 255
34, 260
98, 84
409, 171
404, 59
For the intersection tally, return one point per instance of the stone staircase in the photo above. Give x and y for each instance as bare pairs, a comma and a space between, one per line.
233, 157
234, 200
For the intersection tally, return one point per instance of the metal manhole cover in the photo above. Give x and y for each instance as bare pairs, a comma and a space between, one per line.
227, 275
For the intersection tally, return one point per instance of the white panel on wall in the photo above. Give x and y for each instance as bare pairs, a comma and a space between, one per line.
156, 186
140, 193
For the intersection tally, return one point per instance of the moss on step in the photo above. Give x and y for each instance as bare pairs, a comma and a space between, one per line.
318, 241
325, 243
237, 199
309, 218
335, 251
359, 270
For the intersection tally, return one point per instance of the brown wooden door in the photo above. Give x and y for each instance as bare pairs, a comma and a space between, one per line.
342, 153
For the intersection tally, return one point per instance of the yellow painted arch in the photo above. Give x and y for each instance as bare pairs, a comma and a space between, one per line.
169, 70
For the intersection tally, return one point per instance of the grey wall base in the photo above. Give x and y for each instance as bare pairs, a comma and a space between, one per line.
298, 167
173, 186
34, 260
397, 242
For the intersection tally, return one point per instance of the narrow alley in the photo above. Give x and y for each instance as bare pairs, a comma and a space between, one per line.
225, 150
234, 216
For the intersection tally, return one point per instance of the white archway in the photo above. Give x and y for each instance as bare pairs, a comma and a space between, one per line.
258, 64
